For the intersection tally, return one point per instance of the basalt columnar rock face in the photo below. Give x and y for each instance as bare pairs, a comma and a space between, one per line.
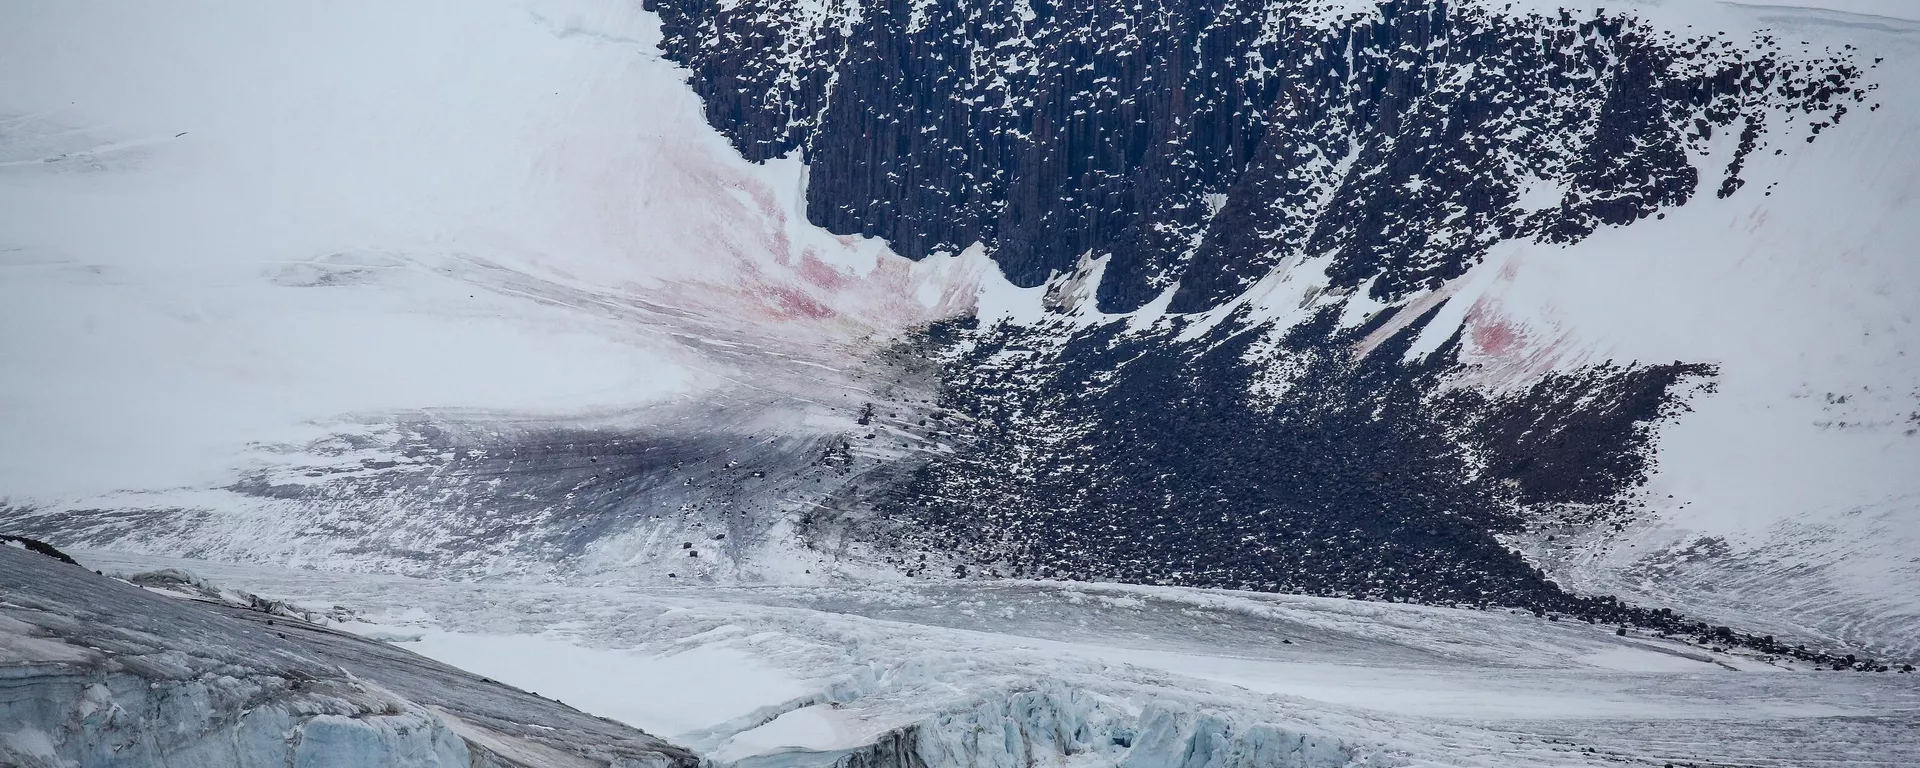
1193, 147
1199, 142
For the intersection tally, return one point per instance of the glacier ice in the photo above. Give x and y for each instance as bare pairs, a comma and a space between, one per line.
98, 672
1086, 675
1057, 725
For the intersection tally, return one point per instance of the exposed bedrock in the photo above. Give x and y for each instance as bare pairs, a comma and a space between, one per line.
1159, 168
1200, 142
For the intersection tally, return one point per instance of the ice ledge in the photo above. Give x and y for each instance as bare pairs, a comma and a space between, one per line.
93, 717
1054, 725
98, 672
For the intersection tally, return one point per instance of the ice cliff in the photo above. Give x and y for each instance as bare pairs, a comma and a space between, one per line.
98, 672
1056, 725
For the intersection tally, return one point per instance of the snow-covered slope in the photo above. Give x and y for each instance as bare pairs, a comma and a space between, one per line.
250, 250
1628, 286
1507, 304
1789, 494
219, 223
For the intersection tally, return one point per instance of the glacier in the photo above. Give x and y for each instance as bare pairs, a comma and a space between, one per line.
408, 369
1000, 673
99, 672
601, 344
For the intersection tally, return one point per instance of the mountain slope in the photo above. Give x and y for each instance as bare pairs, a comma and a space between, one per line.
1345, 297
1597, 310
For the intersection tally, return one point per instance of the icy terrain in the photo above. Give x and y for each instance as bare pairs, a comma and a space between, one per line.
1033, 673
99, 672
486, 293
485, 290
1626, 286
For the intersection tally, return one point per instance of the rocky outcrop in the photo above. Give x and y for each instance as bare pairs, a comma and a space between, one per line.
1201, 142
1112, 455
1179, 152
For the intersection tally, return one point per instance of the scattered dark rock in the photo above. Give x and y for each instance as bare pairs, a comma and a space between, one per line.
37, 546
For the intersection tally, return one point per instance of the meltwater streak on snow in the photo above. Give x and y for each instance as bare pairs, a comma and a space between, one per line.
219, 224
948, 669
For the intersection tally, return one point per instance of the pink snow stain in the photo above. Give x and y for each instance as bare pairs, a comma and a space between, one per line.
819, 272
793, 302
1493, 335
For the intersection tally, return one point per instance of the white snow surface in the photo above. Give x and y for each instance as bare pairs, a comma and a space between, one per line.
220, 223
802, 675
1890, 9
675, 695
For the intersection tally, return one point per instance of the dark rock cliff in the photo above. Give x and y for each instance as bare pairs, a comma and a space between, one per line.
1194, 145
1199, 142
